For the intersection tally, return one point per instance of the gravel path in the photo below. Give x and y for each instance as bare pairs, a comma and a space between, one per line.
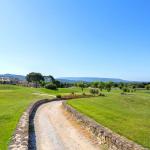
55, 132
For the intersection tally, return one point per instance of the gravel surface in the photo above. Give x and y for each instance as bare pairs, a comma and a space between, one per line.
54, 131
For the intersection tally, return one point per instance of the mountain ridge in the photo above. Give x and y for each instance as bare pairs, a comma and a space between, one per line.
13, 76
70, 79
89, 79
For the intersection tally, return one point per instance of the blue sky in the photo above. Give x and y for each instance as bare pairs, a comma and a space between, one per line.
98, 38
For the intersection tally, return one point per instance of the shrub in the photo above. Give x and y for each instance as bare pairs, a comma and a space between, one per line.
83, 94
108, 86
51, 86
101, 94
94, 91
147, 87
73, 93
132, 90
125, 89
58, 96
42, 83
123, 93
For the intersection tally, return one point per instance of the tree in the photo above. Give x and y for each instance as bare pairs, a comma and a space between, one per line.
35, 78
42, 83
95, 84
101, 85
134, 87
81, 85
57, 83
108, 86
147, 87
126, 89
121, 85
50, 78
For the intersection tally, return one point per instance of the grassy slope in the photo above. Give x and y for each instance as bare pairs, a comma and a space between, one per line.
13, 101
128, 115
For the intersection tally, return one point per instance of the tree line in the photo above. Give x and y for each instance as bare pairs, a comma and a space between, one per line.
50, 82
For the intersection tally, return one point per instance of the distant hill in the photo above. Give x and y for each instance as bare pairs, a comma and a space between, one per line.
89, 79
13, 76
68, 79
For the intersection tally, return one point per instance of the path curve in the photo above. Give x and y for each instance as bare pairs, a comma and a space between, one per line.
55, 132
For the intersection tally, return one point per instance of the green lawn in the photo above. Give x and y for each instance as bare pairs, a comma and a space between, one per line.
14, 100
128, 115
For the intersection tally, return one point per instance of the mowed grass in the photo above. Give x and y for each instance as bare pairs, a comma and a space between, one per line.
128, 115
14, 100
64, 91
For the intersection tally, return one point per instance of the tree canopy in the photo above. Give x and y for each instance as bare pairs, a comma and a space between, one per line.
34, 77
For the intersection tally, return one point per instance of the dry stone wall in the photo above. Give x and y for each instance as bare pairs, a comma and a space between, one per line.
20, 138
104, 135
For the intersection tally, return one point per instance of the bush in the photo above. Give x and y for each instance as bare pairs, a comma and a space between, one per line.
147, 87
58, 96
123, 93
51, 86
125, 89
133, 90
83, 94
94, 91
101, 94
73, 93
42, 83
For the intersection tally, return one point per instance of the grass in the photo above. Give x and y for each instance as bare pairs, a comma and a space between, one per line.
63, 91
14, 100
128, 115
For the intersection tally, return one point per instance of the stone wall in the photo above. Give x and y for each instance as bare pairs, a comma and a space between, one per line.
20, 138
24, 135
104, 135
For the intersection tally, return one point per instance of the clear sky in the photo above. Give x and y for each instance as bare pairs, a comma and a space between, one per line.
98, 38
